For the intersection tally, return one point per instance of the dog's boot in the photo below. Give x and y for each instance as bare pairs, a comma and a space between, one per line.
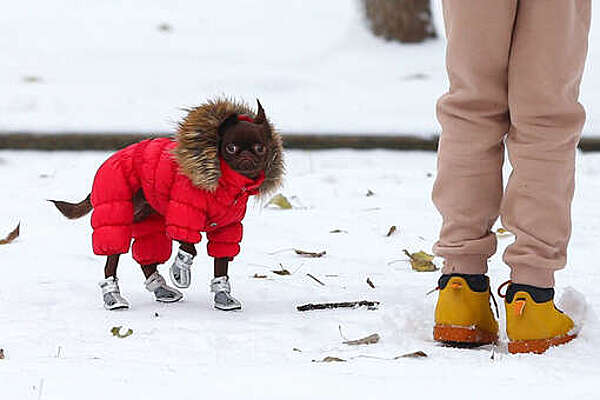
223, 300
111, 294
533, 323
463, 314
180, 270
162, 292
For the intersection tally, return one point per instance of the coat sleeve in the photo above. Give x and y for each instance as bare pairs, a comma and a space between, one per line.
186, 212
225, 242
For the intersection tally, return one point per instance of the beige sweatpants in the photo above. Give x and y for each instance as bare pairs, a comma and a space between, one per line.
515, 68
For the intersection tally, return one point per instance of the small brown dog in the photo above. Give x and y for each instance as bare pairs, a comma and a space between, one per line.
161, 190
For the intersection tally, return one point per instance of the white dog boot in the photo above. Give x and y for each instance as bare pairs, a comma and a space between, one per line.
180, 273
111, 294
222, 290
162, 292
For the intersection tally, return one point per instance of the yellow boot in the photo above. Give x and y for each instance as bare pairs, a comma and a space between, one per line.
533, 323
463, 315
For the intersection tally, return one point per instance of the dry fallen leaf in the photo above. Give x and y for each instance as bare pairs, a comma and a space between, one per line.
421, 261
330, 359
258, 276
416, 354
11, 236
164, 27
338, 231
310, 253
1, 354
392, 230
371, 339
280, 201
281, 271
370, 193
297, 349
370, 283
32, 79
116, 331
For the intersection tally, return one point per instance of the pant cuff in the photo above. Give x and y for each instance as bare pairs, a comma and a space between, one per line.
539, 277
470, 264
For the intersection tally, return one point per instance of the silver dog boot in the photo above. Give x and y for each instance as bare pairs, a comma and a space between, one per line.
223, 300
162, 292
179, 272
111, 294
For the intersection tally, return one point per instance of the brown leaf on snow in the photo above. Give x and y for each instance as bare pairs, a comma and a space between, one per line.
392, 230
416, 354
11, 236
310, 253
370, 193
421, 261
331, 359
370, 283
258, 276
338, 231
1, 354
371, 339
281, 271
32, 79
165, 27
116, 331
280, 201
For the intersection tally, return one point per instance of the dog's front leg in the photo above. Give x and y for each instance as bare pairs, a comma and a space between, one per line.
180, 271
221, 267
221, 287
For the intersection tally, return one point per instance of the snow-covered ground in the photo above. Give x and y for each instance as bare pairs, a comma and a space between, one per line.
105, 66
56, 335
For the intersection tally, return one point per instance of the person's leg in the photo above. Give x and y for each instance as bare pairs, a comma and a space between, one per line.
468, 187
545, 69
474, 120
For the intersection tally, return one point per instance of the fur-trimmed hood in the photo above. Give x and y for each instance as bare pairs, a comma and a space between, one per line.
197, 149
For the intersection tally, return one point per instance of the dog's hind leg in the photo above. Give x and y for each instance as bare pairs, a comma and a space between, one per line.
156, 284
111, 293
110, 269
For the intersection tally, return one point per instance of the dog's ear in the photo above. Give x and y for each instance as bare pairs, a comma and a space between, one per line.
261, 119
227, 123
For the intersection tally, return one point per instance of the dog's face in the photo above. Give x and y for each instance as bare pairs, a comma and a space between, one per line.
244, 145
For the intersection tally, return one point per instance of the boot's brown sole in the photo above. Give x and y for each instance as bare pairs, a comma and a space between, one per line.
537, 346
463, 336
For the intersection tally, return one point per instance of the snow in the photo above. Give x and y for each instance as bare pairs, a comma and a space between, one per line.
105, 66
57, 339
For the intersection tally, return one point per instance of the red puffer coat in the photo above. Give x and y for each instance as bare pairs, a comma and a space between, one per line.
191, 189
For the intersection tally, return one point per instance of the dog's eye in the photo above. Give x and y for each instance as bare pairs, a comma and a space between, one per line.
231, 148
260, 149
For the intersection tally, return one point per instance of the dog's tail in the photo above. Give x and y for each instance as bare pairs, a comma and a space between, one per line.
74, 210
